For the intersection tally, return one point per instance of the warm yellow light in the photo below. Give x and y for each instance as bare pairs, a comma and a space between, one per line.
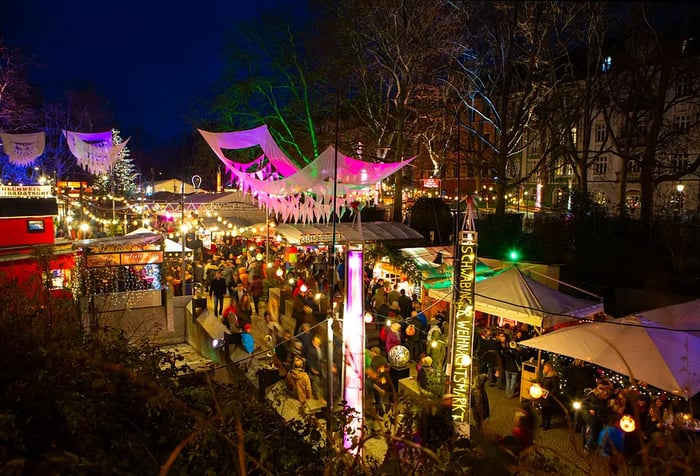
536, 391
577, 405
627, 424
318, 296
434, 344
465, 361
84, 227
368, 317
279, 273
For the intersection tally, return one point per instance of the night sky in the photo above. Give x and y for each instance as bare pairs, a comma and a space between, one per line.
153, 60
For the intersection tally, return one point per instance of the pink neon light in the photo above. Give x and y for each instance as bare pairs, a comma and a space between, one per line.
354, 337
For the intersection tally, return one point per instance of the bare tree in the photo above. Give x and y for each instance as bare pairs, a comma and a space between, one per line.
507, 63
401, 58
17, 113
650, 102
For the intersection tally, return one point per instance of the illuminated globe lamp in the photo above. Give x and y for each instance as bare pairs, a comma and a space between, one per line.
368, 317
399, 356
536, 391
627, 424
279, 273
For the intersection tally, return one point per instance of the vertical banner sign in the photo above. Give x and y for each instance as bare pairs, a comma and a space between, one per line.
354, 338
464, 331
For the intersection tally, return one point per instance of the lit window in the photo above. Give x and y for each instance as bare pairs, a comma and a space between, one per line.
573, 136
634, 200
599, 197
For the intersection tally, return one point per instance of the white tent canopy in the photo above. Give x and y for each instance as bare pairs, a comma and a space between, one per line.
513, 295
660, 347
170, 246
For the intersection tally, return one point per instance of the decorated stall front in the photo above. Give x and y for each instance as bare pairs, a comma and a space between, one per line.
121, 273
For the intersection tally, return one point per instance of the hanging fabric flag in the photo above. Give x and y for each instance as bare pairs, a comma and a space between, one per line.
23, 149
94, 152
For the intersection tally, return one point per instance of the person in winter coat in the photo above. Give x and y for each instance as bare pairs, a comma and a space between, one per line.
255, 289
393, 336
217, 288
550, 383
512, 366
436, 344
480, 400
244, 310
298, 381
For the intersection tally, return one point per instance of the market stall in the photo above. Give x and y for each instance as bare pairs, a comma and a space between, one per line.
121, 272
660, 347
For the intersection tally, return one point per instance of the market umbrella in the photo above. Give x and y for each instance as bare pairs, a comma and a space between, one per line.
660, 347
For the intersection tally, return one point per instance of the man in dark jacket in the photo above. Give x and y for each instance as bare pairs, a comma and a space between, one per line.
217, 288
255, 289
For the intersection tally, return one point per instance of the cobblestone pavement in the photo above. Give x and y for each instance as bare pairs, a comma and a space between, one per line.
560, 439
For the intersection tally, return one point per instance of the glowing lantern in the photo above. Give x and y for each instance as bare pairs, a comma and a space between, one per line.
368, 317
536, 391
627, 424
411, 330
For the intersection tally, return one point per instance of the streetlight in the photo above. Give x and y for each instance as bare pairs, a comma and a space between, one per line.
679, 197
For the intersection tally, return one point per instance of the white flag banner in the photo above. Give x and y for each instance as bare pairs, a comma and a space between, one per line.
94, 152
23, 149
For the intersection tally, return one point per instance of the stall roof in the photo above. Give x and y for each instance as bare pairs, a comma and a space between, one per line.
513, 295
439, 275
345, 232
113, 242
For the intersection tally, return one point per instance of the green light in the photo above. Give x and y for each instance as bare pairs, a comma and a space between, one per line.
514, 255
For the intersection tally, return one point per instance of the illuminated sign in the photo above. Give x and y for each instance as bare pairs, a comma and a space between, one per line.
319, 238
102, 259
142, 257
431, 183
464, 329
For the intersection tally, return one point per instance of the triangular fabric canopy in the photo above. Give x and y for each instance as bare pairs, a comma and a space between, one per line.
281, 192
660, 347
259, 136
512, 295
94, 152
23, 149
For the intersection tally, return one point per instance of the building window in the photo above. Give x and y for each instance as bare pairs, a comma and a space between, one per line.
600, 198
681, 122
634, 167
573, 136
531, 165
607, 64
679, 162
600, 166
601, 133
633, 200
562, 168
684, 87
